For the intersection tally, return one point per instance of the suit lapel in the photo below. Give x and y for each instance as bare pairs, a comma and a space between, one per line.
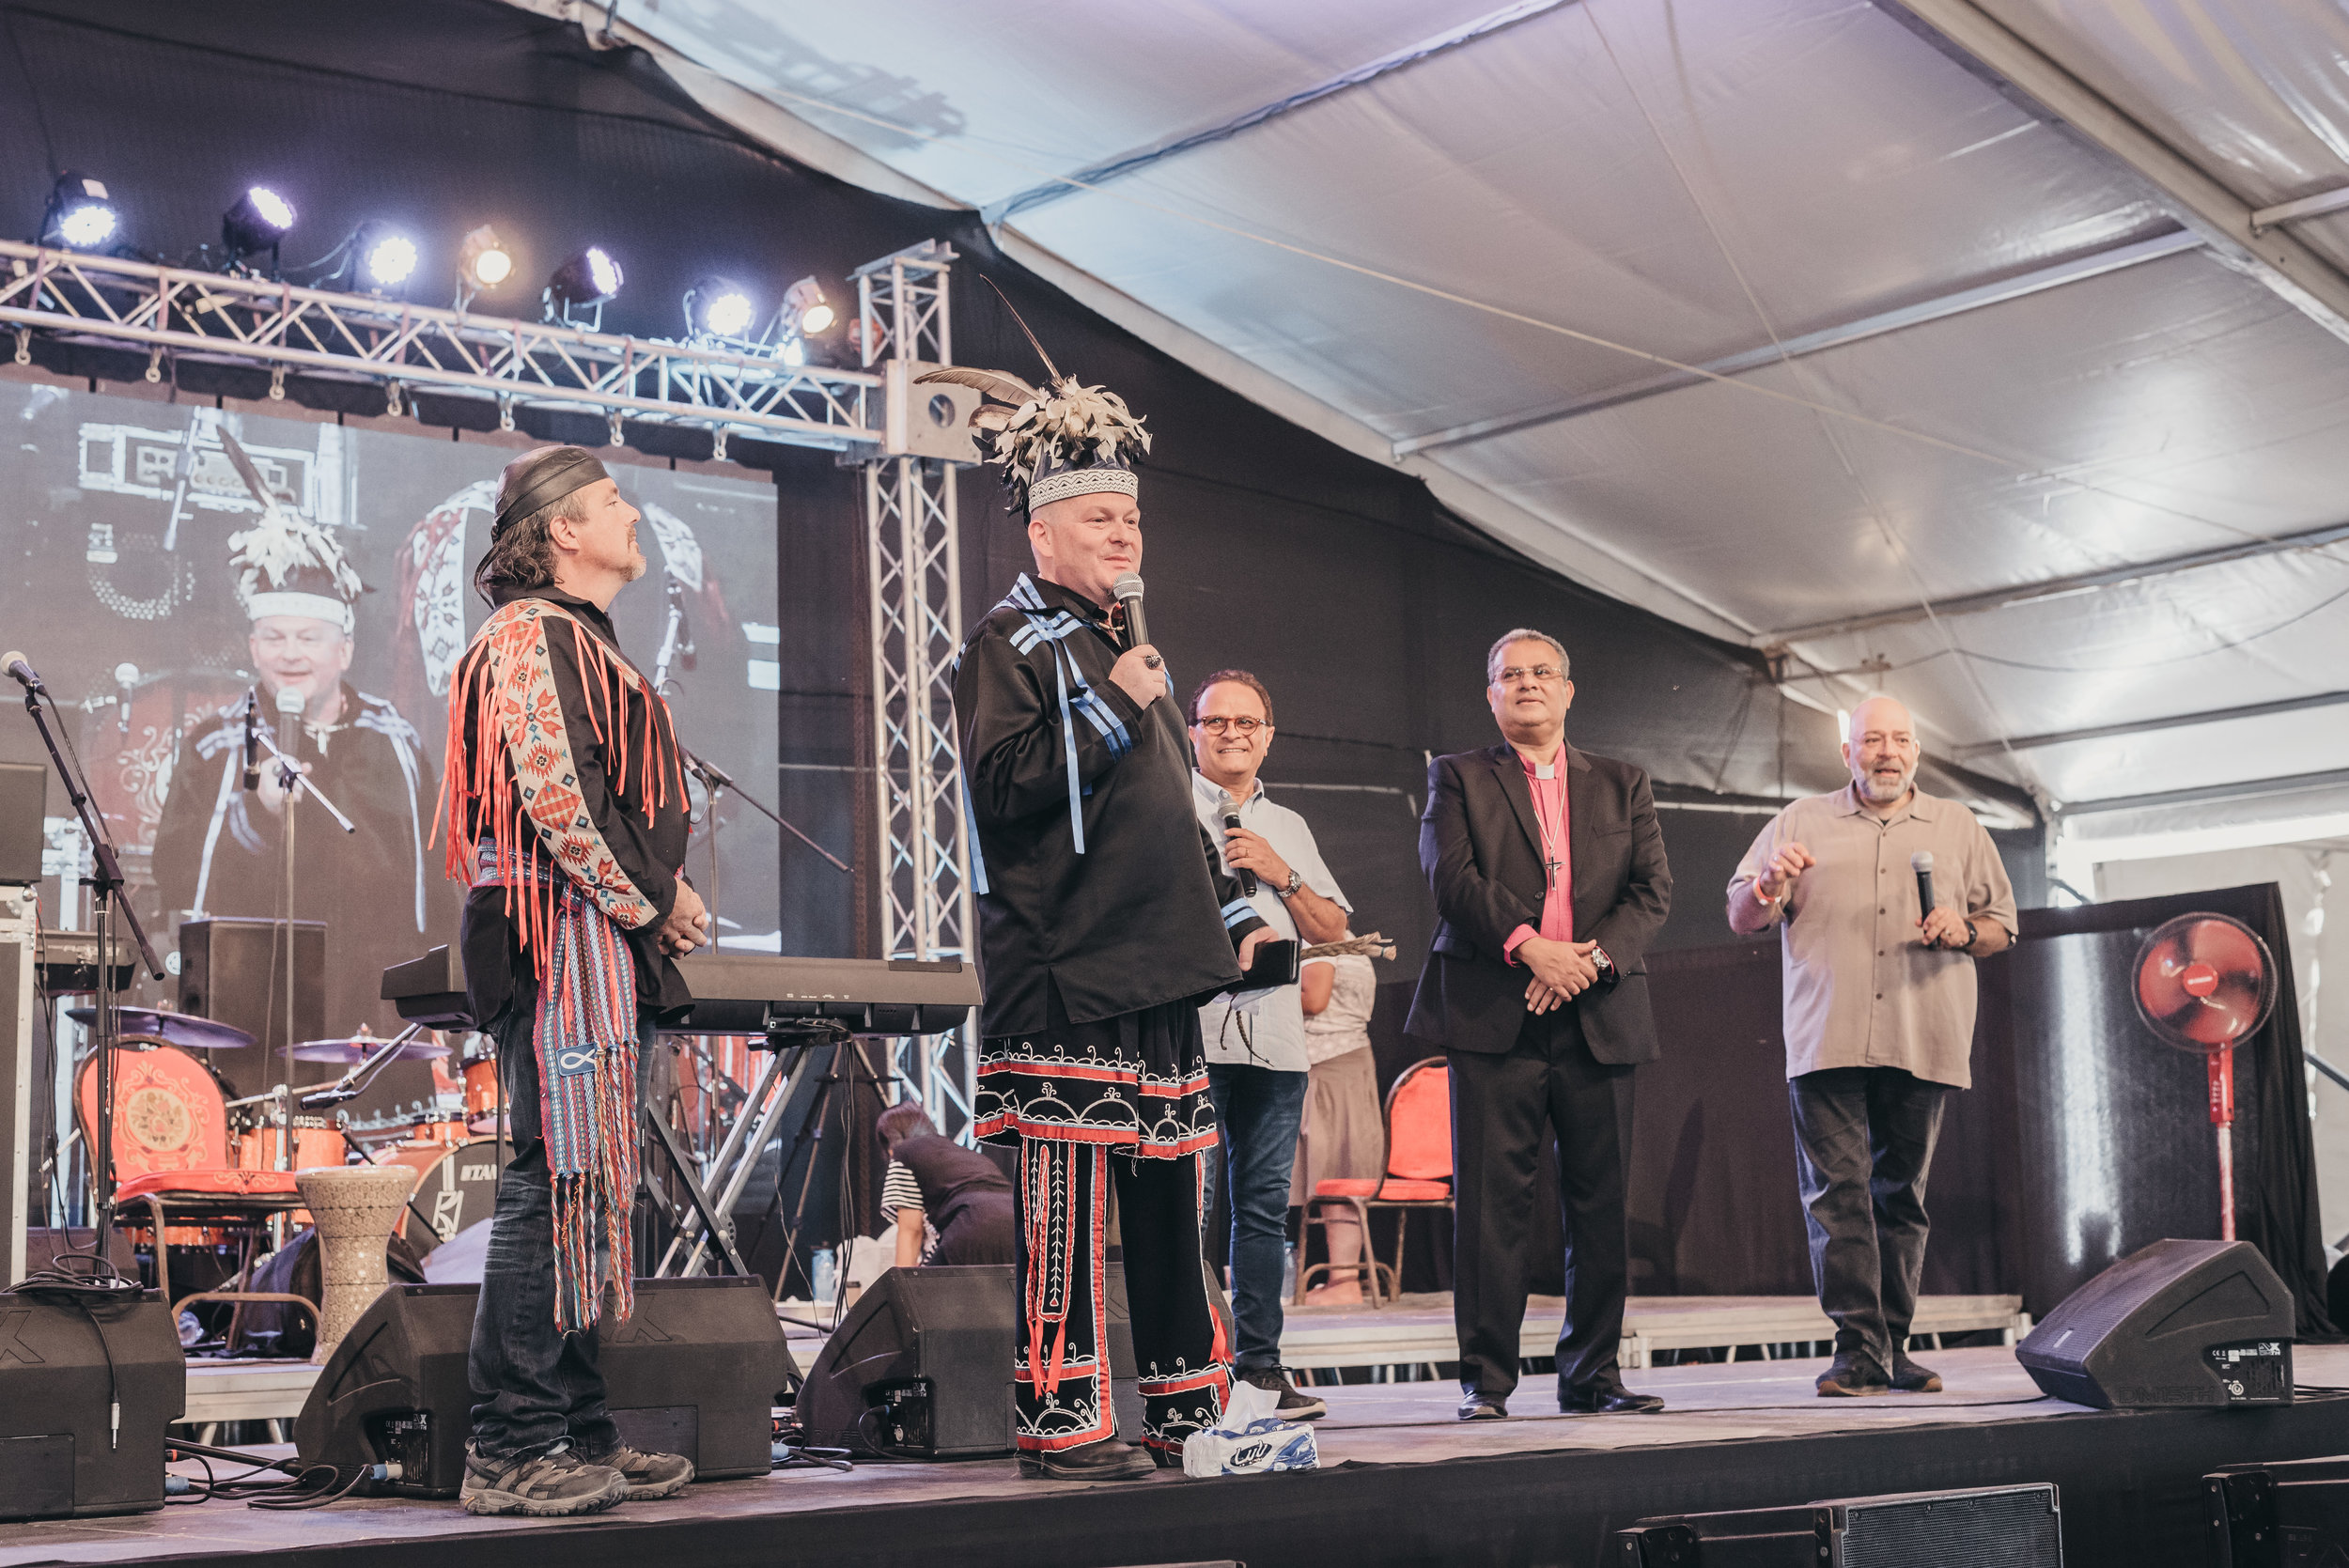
1511, 771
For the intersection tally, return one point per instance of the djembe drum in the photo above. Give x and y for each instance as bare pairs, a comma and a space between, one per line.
355, 1207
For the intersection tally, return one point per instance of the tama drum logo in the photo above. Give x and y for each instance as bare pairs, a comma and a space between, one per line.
477, 1172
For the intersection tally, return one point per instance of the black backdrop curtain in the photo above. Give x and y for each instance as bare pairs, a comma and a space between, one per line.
2083, 1139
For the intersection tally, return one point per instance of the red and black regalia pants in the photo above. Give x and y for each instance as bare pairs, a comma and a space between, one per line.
1121, 1102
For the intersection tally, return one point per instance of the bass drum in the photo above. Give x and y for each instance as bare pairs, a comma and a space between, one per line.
456, 1186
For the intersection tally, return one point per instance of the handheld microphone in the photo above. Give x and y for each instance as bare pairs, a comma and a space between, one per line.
253, 738
1247, 877
1922, 863
127, 678
290, 702
22, 672
1128, 591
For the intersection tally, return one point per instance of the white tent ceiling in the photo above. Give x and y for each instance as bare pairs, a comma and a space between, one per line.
1972, 320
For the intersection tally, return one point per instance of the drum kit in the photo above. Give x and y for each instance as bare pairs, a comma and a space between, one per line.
172, 1112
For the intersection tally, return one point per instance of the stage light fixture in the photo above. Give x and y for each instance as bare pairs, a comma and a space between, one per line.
388, 259
81, 216
807, 312
587, 279
257, 223
718, 307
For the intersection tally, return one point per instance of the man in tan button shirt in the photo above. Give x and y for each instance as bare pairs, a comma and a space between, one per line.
1880, 1008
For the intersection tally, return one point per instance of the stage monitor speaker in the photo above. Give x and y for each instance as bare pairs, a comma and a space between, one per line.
233, 971
63, 1367
2267, 1515
2179, 1323
920, 1367
1998, 1527
697, 1370
23, 831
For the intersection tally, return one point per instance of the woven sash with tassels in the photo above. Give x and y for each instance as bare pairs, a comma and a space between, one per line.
584, 1039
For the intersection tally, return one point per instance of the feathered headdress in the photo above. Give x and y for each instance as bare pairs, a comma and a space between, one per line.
1069, 440
287, 565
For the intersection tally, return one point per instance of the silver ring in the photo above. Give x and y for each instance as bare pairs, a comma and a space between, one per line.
1153, 661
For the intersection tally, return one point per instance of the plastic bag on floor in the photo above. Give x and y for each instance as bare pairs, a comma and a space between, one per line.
1251, 1439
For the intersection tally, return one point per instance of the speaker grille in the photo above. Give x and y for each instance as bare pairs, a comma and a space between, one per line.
2020, 1528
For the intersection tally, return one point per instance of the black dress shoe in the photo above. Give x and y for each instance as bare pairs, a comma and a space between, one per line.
1105, 1460
1910, 1378
1477, 1406
1607, 1399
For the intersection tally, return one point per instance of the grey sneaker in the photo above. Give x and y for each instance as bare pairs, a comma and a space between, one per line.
649, 1475
1853, 1375
544, 1484
1296, 1405
1910, 1378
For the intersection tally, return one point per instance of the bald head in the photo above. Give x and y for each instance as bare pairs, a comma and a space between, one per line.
1881, 752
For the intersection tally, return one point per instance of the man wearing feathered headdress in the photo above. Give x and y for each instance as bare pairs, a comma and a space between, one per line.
219, 847
1105, 919
566, 789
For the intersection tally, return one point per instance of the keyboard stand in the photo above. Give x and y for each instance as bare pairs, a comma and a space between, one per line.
709, 1218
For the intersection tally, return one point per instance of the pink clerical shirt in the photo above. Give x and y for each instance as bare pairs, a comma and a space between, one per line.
1549, 811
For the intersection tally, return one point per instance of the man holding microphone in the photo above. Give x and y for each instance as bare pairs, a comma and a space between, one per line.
1884, 896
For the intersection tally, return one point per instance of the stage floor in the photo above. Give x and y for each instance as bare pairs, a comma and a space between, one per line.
1402, 1481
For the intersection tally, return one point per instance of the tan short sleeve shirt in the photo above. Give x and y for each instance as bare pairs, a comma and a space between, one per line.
1860, 990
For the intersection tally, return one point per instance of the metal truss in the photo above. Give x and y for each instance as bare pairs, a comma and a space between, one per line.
230, 318
913, 572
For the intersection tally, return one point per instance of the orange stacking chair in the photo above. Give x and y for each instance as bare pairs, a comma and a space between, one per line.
1418, 1176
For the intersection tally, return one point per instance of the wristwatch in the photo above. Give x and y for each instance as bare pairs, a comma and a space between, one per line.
1288, 889
1607, 973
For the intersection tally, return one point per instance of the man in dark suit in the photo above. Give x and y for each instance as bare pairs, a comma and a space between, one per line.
1547, 866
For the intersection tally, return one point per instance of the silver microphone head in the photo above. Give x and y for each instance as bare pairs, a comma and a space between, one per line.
126, 674
290, 701
1128, 585
1921, 860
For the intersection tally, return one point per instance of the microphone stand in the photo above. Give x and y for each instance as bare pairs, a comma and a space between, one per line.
295, 783
110, 902
715, 779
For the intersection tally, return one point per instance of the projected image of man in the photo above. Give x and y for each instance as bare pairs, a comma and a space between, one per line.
219, 848
1879, 1021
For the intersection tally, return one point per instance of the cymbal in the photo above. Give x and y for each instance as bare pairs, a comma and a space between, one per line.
361, 1048
184, 1030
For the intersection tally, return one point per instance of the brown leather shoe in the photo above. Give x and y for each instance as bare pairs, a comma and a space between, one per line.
1106, 1460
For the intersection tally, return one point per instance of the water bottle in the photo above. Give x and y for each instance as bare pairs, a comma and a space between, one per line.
823, 1275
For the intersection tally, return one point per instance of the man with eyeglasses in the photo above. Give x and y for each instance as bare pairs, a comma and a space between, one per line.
1548, 871
1256, 1061
1879, 1023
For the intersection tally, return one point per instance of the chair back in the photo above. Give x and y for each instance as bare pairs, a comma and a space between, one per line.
1419, 1121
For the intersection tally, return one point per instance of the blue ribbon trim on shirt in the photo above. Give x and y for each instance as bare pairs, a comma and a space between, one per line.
1236, 911
1055, 629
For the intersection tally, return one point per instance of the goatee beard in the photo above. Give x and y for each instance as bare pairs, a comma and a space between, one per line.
1878, 793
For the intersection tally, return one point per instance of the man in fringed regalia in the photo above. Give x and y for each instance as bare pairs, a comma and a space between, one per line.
1104, 920
566, 797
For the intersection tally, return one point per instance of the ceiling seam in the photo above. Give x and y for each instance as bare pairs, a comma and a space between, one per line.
1097, 175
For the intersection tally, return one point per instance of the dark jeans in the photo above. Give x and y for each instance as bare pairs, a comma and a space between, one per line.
1259, 1111
535, 1383
1863, 1144
1505, 1108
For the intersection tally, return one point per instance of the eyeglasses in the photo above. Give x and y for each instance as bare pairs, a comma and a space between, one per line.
1218, 723
1515, 673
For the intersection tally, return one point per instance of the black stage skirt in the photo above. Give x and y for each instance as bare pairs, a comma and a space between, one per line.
1137, 1081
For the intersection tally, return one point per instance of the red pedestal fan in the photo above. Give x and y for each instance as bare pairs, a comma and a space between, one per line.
2204, 982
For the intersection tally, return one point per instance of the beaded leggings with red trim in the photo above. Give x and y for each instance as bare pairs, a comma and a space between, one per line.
1117, 1104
